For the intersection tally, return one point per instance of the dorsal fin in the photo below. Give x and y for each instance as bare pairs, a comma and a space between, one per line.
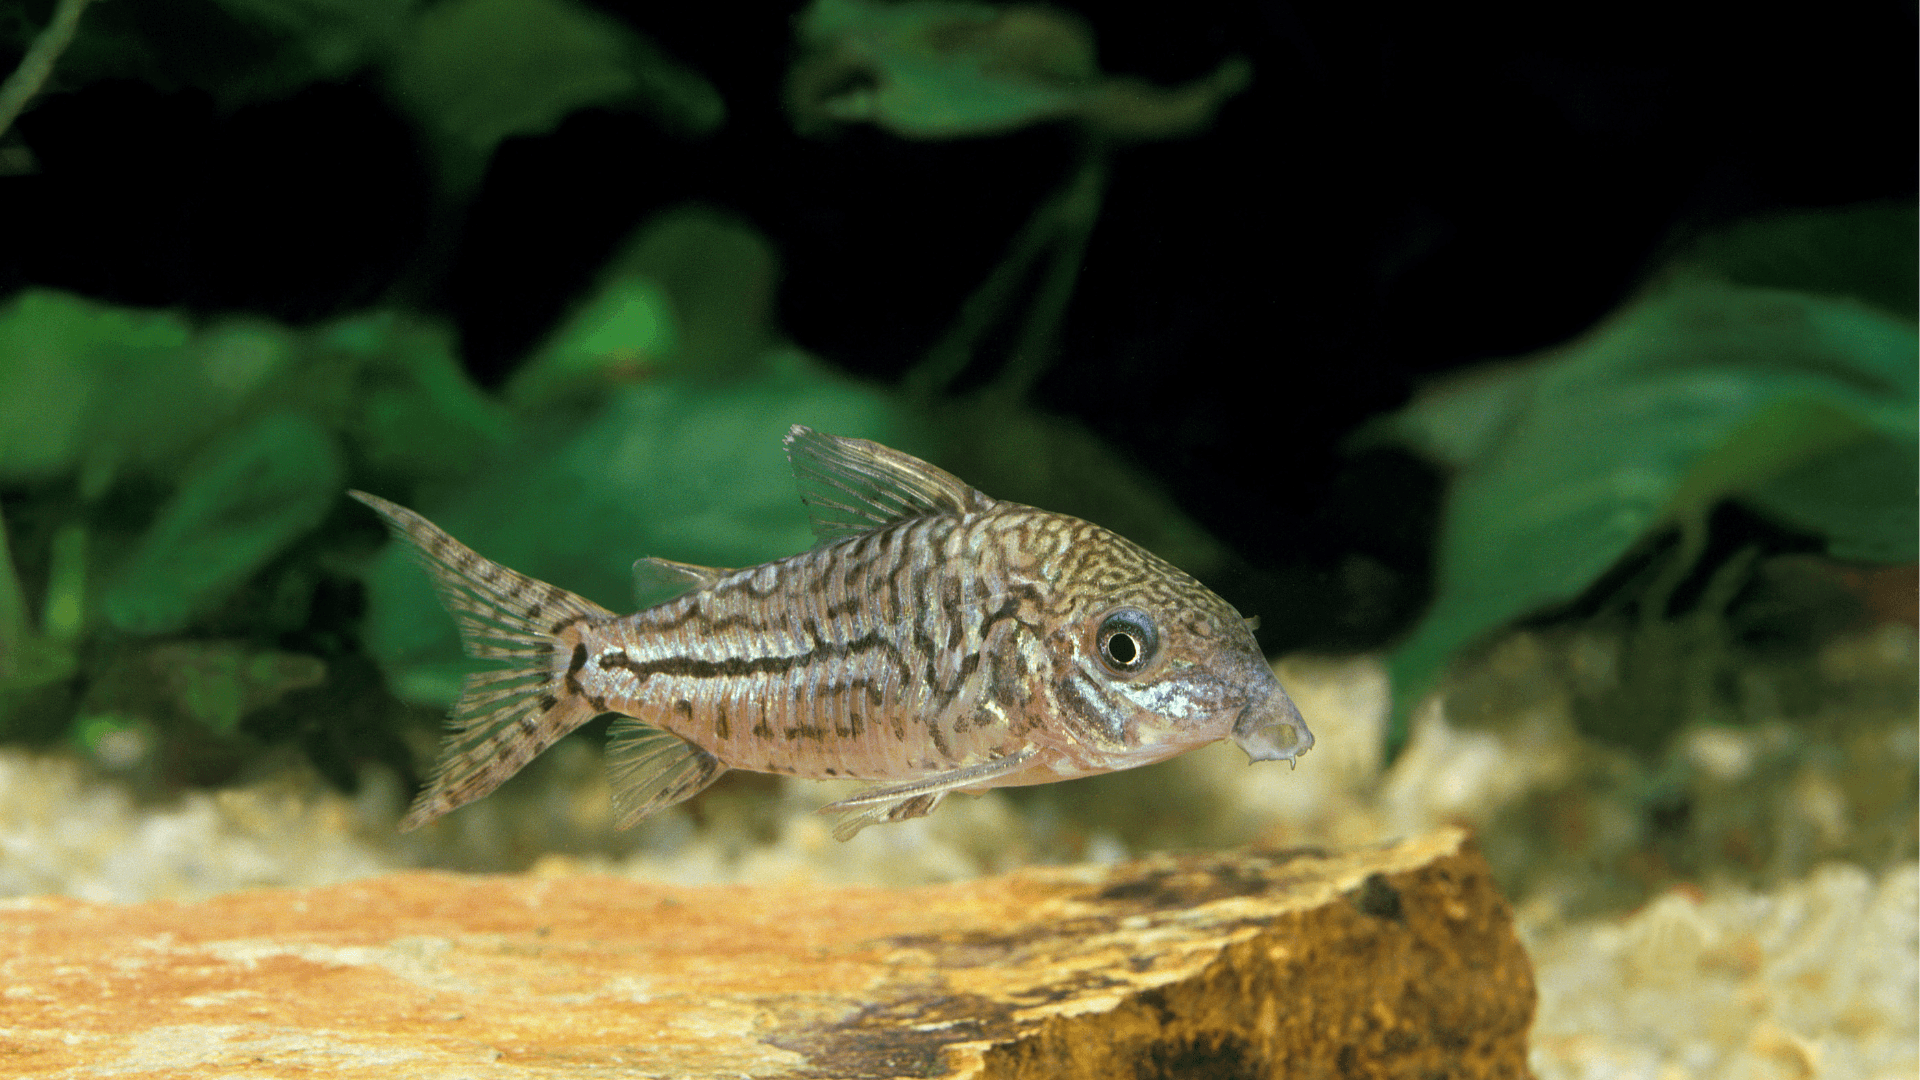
852, 486
656, 581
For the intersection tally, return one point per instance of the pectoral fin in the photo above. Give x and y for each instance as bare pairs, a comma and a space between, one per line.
899, 802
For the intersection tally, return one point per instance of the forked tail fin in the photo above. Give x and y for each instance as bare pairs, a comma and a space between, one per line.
507, 715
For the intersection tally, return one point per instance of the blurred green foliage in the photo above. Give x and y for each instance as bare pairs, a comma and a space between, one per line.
256, 491
171, 482
237, 52
59, 399
476, 72
217, 683
1797, 402
943, 69
471, 73
690, 294
29, 657
175, 547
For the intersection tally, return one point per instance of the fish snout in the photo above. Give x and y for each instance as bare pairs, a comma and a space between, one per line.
1271, 729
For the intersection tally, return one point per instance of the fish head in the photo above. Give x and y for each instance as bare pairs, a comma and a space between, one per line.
1149, 663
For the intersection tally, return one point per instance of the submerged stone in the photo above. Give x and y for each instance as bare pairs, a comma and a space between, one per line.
1396, 961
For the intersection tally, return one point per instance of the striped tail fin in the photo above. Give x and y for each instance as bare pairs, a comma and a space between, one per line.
507, 715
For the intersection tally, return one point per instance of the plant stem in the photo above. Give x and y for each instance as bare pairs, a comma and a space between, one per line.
37, 66
13, 610
1659, 595
1076, 213
1060, 225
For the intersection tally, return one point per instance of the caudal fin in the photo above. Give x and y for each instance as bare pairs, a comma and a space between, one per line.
507, 715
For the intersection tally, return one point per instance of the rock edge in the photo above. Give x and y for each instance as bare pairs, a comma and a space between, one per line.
1387, 962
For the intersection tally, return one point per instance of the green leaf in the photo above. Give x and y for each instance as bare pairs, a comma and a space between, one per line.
472, 72
943, 69
84, 383
476, 72
394, 388
624, 331
1854, 497
63, 364
937, 69
1704, 393
254, 493
1461, 420
334, 38
692, 293
238, 51
1866, 252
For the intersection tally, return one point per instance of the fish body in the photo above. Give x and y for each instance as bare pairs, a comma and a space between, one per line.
934, 640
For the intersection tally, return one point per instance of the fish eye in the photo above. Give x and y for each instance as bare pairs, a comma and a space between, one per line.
1128, 641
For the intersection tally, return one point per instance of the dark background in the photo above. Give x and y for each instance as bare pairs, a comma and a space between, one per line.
1402, 192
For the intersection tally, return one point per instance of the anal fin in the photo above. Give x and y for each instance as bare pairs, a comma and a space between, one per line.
651, 769
918, 798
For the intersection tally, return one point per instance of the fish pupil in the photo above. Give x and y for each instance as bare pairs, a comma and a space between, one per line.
1128, 641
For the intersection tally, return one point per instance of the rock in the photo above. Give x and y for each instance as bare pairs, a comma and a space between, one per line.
1395, 961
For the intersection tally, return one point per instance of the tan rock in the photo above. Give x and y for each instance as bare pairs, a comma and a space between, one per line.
1399, 961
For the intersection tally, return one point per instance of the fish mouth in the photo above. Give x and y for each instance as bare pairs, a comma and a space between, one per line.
1271, 729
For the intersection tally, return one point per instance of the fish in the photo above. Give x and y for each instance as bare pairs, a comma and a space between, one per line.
933, 640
